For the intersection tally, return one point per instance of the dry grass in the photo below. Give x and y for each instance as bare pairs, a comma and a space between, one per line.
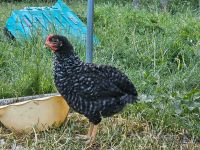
114, 133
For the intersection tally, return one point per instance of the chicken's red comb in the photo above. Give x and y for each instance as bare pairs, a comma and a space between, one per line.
49, 37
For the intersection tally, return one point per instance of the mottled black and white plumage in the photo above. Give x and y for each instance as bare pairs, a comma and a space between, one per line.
95, 91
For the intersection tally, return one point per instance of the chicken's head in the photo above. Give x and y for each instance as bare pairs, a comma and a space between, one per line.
57, 43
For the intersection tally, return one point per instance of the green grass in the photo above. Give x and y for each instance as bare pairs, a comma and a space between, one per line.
160, 53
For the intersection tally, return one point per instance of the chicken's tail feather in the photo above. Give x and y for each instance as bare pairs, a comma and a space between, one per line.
128, 99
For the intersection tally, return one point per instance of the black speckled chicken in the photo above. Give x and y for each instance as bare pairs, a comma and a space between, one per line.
95, 91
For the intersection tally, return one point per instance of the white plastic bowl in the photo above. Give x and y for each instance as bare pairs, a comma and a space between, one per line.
36, 114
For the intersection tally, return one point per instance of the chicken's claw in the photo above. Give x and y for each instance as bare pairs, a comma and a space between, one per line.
83, 137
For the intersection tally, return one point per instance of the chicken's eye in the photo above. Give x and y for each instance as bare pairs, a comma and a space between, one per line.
54, 40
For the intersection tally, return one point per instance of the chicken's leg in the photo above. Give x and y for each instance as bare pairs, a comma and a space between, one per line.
88, 135
90, 129
92, 135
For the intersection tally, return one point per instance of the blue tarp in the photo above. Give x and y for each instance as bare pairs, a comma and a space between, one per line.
60, 19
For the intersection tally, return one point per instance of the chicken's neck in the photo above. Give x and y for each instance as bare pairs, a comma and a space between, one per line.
66, 62
66, 66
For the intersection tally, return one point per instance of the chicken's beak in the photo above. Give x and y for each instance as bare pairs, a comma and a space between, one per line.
45, 46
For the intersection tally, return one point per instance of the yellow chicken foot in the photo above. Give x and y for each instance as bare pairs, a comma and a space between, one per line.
92, 135
88, 135
90, 129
